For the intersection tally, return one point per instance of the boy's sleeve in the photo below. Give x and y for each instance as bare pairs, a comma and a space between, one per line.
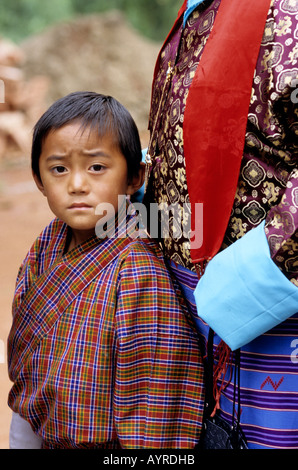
158, 398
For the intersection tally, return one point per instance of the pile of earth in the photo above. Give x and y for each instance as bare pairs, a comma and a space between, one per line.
98, 52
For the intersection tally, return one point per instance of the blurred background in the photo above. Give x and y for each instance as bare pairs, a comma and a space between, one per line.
49, 49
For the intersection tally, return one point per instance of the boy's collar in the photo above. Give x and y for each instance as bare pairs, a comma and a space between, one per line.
126, 223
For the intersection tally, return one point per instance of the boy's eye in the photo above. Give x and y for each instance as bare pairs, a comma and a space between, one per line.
59, 169
96, 167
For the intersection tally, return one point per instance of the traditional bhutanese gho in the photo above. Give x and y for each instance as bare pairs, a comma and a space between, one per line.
101, 351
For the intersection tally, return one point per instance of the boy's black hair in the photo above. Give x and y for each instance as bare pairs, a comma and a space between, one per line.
99, 112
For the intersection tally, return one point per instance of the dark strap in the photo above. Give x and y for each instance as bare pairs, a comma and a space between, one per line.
209, 396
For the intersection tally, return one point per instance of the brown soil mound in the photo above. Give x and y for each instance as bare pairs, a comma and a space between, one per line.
99, 53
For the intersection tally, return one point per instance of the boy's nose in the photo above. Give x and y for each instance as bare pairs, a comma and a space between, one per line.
78, 182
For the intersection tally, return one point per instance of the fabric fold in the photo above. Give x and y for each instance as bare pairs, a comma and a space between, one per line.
267, 296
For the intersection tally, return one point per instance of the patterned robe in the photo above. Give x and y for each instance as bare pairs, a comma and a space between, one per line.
267, 185
101, 352
267, 191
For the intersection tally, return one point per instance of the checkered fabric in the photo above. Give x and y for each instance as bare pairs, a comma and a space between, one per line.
102, 352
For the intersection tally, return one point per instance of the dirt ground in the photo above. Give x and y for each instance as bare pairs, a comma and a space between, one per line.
23, 213
100, 53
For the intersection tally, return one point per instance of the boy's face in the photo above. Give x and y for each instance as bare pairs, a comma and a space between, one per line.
79, 171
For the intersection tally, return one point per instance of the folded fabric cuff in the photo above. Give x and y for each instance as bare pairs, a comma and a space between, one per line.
243, 293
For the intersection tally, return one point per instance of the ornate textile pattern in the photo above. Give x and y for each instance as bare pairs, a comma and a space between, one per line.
267, 186
168, 178
268, 181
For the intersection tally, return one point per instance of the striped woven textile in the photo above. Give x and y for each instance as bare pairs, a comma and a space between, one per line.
102, 352
269, 378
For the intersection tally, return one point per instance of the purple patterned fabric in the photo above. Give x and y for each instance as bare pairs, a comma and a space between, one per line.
267, 190
267, 186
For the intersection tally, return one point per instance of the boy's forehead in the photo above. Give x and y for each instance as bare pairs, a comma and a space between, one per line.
80, 133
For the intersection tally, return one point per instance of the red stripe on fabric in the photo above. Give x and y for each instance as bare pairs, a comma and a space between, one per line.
216, 116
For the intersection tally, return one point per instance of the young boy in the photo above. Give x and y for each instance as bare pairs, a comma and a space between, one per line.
101, 351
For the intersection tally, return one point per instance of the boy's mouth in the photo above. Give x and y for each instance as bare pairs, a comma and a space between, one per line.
79, 205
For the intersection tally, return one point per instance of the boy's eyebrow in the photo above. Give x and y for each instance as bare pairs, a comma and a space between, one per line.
95, 153
86, 153
55, 157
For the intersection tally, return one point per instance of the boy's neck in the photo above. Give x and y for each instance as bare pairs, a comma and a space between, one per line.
74, 239
109, 229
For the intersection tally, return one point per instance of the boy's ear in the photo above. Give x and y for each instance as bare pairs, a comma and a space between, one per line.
137, 181
38, 183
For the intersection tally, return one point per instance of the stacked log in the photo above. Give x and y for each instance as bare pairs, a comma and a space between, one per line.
22, 101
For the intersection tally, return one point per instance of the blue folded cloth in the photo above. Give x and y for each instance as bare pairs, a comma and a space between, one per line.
243, 293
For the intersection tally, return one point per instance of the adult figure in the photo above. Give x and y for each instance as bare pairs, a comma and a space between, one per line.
223, 150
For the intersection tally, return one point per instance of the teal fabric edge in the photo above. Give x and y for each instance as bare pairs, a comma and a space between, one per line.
243, 293
144, 152
191, 6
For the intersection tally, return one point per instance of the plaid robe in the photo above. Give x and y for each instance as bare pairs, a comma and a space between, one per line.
101, 351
